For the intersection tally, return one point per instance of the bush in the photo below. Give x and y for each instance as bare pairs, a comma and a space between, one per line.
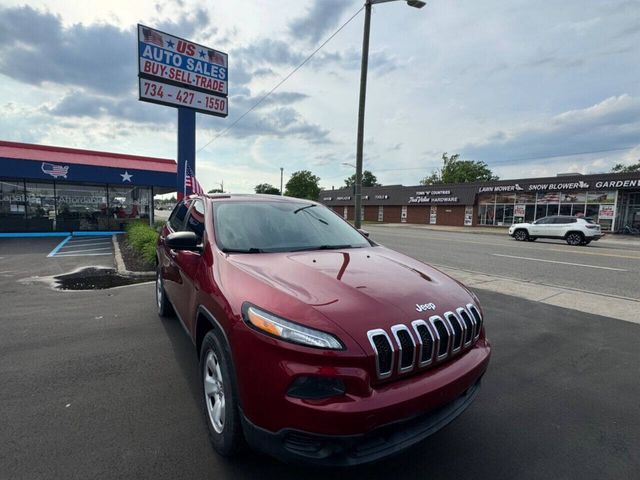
143, 239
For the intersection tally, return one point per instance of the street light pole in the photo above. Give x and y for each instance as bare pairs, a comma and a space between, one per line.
363, 96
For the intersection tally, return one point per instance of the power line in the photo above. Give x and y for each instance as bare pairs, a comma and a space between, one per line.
264, 97
512, 160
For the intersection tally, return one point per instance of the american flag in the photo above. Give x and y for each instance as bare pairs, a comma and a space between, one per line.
216, 57
151, 36
55, 170
191, 184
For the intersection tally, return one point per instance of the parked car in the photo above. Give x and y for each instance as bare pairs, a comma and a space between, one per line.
316, 344
574, 230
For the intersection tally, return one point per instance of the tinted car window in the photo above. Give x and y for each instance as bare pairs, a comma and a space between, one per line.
281, 226
195, 222
544, 221
176, 220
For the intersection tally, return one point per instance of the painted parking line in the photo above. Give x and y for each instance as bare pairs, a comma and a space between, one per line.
59, 246
83, 246
562, 263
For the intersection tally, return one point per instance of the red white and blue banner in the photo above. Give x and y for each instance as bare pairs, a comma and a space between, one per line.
71, 172
181, 63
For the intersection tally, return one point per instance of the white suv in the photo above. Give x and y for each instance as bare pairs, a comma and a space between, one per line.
576, 231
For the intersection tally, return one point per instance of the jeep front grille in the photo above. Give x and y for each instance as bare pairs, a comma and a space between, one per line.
384, 352
406, 347
426, 342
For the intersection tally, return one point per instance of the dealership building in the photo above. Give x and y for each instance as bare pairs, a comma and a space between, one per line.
53, 189
613, 200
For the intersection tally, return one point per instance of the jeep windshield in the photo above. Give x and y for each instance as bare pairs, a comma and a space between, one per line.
263, 227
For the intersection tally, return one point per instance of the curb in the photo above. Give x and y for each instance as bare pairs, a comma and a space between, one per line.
609, 238
120, 265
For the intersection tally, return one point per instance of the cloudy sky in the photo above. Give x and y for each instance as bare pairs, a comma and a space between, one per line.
531, 88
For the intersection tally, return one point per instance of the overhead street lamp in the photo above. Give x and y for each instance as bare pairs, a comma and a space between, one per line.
363, 95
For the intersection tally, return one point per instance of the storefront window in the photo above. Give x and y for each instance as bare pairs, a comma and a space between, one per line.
12, 206
485, 198
505, 197
578, 208
573, 197
499, 215
565, 209
127, 204
526, 198
41, 207
601, 197
82, 207
548, 197
508, 215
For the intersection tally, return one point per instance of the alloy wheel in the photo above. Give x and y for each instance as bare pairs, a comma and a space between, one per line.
521, 235
159, 290
214, 391
574, 239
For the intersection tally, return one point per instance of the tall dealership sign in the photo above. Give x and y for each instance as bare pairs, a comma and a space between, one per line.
178, 73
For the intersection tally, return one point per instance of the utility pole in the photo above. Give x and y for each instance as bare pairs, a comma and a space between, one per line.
281, 173
363, 96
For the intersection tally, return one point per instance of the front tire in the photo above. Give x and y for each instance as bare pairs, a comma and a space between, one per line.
575, 238
521, 235
220, 395
165, 309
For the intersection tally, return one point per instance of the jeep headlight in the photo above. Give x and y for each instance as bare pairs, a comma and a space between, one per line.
286, 330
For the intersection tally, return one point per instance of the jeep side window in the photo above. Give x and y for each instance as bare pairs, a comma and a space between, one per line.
195, 222
176, 220
543, 221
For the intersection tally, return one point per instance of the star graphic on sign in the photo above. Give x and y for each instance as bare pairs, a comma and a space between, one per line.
202, 54
170, 44
126, 176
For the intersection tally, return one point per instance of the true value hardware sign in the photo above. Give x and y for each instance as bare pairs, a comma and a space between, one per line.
179, 73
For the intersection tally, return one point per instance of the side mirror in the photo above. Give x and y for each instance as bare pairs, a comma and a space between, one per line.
183, 241
364, 232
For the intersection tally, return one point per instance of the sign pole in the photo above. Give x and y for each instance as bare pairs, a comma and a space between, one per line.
186, 146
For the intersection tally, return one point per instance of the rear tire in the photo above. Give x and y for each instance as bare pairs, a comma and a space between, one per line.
165, 309
574, 238
521, 235
220, 395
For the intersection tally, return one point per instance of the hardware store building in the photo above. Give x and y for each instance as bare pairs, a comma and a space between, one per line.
53, 189
613, 200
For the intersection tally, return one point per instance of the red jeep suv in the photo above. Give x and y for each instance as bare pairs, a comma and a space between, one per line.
316, 344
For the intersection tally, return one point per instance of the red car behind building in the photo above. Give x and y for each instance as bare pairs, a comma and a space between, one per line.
316, 344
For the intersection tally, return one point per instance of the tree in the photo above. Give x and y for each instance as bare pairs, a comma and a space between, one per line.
455, 170
267, 188
368, 180
215, 190
303, 184
620, 168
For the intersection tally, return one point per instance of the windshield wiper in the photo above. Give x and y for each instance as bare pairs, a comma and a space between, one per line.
303, 208
323, 247
243, 250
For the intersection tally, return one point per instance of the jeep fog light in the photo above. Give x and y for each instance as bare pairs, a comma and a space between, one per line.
314, 388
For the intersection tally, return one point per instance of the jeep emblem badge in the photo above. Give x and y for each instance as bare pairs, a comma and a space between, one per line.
425, 306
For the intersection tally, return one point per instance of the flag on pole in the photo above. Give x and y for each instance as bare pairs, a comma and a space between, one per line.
191, 184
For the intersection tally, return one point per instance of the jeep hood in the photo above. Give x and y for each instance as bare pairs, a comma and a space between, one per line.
372, 285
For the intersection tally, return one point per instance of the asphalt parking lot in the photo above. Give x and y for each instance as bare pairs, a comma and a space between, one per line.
94, 385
